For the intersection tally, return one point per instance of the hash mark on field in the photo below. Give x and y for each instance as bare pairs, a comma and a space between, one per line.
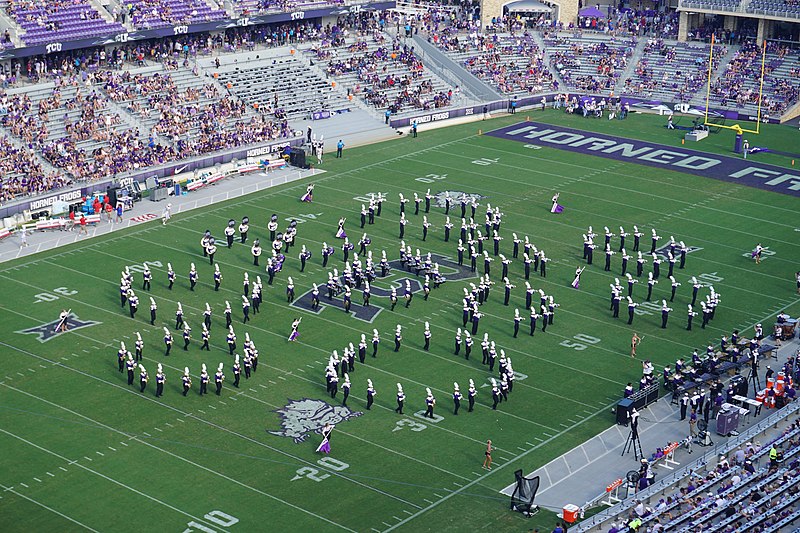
521, 449
51, 475
24, 485
456, 483
122, 443
214, 408
300, 370
477, 474
146, 433
31, 370
157, 429
376, 530
43, 366
427, 500
407, 511
21, 374
310, 366
438, 496
279, 377
564, 425
262, 385
385, 524
62, 468
272, 382
87, 458
101, 454
37, 479
529, 444
223, 403
181, 420
396, 518
112, 449
168, 424
505, 459
201, 411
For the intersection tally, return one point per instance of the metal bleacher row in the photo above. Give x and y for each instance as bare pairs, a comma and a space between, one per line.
669, 70
513, 64
300, 90
590, 62
738, 88
375, 95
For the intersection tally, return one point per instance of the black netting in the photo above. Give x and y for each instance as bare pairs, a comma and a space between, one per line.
524, 492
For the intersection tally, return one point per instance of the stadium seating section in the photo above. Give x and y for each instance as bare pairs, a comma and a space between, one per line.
69, 128
744, 491
514, 65
671, 71
46, 21
148, 14
299, 90
385, 73
738, 87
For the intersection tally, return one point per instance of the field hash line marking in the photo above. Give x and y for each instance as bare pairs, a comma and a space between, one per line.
40, 504
37, 479
112, 480
181, 458
87, 458
101, 454
64, 469
112, 449
51, 475
24, 485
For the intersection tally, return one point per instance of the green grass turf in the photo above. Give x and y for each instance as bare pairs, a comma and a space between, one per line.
112, 459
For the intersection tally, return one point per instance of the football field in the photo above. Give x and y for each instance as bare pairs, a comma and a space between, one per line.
83, 450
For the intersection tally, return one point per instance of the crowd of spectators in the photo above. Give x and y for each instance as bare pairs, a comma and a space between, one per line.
513, 64
23, 174
671, 71
605, 61
739, 87
732, 494
387, 76
632, 22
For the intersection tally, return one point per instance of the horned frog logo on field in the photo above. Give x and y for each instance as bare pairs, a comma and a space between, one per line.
299, 418
455, 197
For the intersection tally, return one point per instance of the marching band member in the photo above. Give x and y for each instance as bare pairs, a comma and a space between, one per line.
160, 379
143, 379
430, 402
186, 380
219, 377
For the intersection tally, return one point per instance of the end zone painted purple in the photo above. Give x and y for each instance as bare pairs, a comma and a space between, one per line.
720, 167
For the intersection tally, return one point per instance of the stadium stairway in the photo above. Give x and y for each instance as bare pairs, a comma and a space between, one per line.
537, 37
102, 10
453, 72
699, 99
638, 52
